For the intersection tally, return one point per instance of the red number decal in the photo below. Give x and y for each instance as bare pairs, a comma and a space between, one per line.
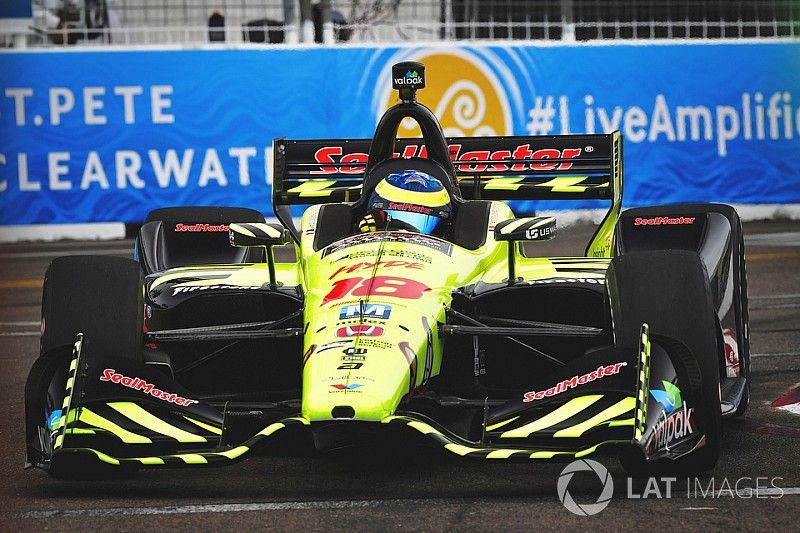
377, 286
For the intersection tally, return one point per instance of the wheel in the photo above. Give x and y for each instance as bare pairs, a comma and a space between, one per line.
669, 291
98, 296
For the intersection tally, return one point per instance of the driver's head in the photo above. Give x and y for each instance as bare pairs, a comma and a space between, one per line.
412, 200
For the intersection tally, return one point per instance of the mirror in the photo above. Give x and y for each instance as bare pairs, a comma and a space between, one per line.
526, 229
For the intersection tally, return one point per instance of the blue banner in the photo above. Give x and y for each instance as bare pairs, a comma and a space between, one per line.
96, 136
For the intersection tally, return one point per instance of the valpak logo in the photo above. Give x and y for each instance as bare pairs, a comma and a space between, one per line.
677, 422
411, 78
472, 103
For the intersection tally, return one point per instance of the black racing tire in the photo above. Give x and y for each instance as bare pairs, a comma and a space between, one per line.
99, 296
668, 289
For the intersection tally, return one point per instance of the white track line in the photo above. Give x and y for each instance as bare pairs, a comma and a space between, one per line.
776, 354
22, 324
21, 334
235, 508
284, 506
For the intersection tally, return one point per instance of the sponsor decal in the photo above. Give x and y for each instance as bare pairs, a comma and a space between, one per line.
677, 418
381, 286
326, 157
373, 343
661, 221
359, 330
352, 362
731, 353
369, 265
381, 311
590, 281
670, 397
112, 376
349, 386
52, 420
409, 208
406, 254
474, 103
195, 288
395, 236
539, 233
332, 345
354, 351
201, 228
601, 372
411, 78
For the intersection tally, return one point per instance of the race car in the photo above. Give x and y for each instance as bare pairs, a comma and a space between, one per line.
410, 305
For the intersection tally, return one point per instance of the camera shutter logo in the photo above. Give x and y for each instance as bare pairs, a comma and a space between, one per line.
585, 509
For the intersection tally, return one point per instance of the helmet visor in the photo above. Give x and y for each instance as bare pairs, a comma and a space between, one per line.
421, 222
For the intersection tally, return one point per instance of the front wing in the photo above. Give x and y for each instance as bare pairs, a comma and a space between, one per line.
130, 433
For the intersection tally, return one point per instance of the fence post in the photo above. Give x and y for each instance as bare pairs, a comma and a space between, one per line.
290, 22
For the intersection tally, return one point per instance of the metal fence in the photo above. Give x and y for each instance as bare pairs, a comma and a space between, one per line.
196, 22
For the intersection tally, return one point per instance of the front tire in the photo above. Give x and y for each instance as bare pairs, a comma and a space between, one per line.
669, 291
99, 296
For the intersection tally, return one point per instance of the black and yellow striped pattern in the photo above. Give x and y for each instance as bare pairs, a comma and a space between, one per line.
474, 451
574, 419
200, 457
256, 234
129, 423
429, 429
644, 382
61, 425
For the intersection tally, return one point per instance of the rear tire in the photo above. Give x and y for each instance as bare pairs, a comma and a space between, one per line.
99, 296
669, 291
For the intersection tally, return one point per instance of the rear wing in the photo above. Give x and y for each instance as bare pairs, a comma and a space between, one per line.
487, 168
553, 167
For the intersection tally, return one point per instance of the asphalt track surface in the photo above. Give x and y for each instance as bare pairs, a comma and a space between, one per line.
404, 489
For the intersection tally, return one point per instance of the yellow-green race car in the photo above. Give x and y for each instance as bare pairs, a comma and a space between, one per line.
409, 303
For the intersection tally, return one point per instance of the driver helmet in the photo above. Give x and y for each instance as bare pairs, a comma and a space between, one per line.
414, 200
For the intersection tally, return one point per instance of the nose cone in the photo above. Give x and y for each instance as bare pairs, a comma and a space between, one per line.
364, 386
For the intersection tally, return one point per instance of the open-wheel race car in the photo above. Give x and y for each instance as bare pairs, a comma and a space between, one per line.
409, 304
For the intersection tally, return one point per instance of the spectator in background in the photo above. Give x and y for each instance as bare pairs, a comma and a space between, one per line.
216, 21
